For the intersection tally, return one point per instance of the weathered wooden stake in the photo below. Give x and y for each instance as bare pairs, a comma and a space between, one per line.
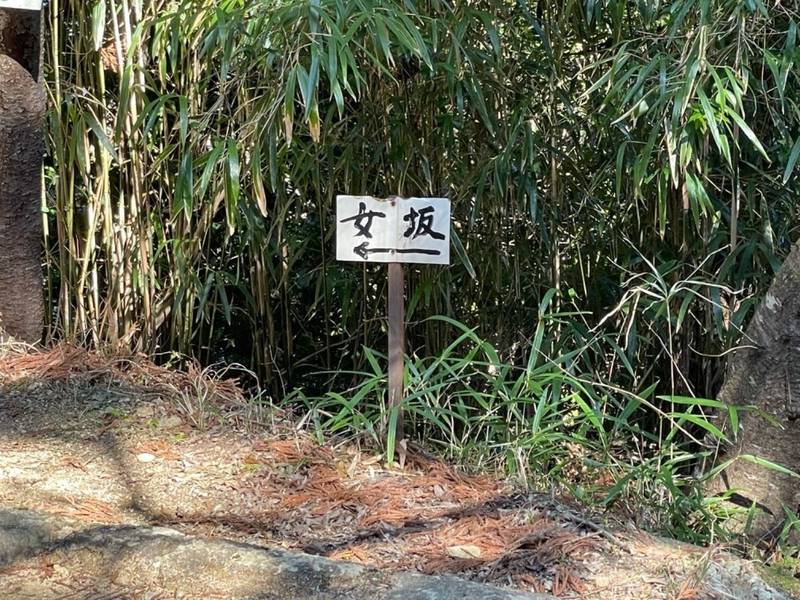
396, 342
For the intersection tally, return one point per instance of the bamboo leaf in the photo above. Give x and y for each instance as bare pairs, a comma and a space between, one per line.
99, 24
462, 253
711, 121
745, 128
792, 161
232, 185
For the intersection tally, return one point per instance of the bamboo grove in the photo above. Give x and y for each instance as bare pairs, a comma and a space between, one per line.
637, 158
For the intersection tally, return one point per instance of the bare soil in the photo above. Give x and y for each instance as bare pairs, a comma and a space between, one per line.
101, 441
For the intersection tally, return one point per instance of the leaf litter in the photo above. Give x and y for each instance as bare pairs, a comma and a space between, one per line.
73, 423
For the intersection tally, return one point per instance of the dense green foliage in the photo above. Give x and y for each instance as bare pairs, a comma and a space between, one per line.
622, 174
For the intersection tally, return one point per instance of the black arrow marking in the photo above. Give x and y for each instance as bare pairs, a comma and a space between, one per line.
363, 250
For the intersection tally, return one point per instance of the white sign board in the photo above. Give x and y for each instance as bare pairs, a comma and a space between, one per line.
403, 230
23, 4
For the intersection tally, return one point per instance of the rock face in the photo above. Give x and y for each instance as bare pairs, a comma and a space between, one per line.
159, 559
735, 580
22, 108
765, 373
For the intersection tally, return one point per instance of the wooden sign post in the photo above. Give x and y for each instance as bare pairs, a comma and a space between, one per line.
397, 341
394, 231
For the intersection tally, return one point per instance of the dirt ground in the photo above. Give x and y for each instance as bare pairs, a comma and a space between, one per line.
107, 441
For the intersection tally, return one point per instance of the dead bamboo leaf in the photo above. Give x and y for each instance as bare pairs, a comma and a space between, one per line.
465, 551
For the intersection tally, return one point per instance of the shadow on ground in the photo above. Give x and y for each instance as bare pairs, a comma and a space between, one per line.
90, 462
98, 455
